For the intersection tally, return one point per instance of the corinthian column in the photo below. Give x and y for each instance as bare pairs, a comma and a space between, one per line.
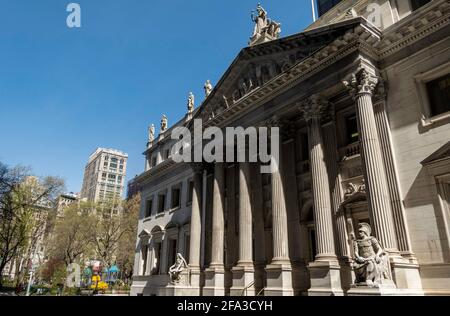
325, 271
279, 272
320, 183
361, 86
215, 274
196, 228
243, 273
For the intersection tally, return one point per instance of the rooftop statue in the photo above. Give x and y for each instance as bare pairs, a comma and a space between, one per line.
265, 29
151, 133
163, 124
191, 102
371, 261
208, 88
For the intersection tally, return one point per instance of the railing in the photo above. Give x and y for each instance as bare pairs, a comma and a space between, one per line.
244, 291
350, 150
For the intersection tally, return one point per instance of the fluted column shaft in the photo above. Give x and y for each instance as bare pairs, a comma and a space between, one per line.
245, 216
196, 222
374, 172
218, 225
279, 218
321, 193
403, 240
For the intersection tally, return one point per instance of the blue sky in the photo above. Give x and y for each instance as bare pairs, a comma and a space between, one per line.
64, 92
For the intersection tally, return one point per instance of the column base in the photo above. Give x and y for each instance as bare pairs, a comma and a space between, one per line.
279, 279
214, 281
325, 279
243, 280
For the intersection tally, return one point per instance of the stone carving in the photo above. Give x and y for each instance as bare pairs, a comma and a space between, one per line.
361, 82
151, 133
265, 29
164, 124
351, 13
313, 107
208, 88
371, 261
353, 189
175, 270
191, 102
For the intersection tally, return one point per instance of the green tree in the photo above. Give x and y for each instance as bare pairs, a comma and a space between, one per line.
23, 201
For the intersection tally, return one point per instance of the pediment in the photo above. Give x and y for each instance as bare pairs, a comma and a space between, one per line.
144, 233
440, 154
256, 66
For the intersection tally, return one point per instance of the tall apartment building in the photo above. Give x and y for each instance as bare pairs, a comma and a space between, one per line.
104, 175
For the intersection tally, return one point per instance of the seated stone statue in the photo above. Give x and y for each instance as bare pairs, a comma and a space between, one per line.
179, 266
371, 261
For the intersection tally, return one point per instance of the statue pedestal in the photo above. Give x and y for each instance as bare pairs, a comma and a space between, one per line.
259, 39
386, 289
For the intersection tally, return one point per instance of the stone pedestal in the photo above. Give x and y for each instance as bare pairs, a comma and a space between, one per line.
325, 279
407, 277
279, 280
387, 289
243, 281
214, 282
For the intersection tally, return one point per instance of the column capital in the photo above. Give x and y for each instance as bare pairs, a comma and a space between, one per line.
313, 107
361, 82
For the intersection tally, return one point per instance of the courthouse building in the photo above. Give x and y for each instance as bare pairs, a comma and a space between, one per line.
362, 101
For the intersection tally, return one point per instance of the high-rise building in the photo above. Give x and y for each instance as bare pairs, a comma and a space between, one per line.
104, 175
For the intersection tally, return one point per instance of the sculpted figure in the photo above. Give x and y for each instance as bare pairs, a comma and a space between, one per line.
370, 259
151, 133
191, 102
260, 20
179, 266
208, 88
163, 123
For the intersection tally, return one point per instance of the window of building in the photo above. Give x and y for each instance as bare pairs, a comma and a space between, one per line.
351, 128
144, 259
114, 160
156, 259
172, 255
149, 208
153, 161
176, 197
439, 95
416, 4
433, 88
325, 5
161, 203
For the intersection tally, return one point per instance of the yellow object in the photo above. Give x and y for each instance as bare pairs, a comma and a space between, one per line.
96, 278
101, 286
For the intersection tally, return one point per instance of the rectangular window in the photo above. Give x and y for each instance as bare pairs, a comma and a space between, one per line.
115, 160
149, 208
144, 259
416, 4
172, 252
176, 197
351, 127
439, 95
161, 203
157, 261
